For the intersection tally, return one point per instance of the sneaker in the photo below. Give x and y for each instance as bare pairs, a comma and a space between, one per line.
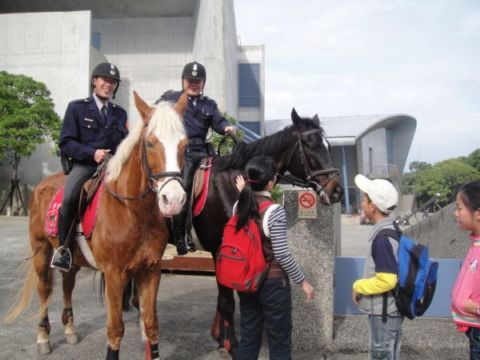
62, 259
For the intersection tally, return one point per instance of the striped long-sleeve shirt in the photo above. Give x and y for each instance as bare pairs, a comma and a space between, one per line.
277, 226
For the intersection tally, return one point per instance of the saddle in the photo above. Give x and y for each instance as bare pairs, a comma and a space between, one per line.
87, 207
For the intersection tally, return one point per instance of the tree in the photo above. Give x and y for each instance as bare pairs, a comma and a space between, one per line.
416, 166
27, 119
444, 177
474, 159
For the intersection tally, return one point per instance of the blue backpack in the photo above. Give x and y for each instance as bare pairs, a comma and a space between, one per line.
417, 275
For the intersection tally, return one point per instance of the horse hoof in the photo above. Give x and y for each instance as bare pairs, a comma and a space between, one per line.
44, 348
72, 339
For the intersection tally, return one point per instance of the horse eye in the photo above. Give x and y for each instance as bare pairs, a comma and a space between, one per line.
148, 144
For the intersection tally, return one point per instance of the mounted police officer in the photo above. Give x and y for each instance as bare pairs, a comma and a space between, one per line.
200, 115
92, 128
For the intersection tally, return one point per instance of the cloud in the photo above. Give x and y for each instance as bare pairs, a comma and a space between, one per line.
374, 57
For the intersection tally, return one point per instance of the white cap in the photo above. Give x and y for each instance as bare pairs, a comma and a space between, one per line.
381, 192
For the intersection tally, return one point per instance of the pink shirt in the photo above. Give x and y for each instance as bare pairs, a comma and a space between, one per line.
467, 286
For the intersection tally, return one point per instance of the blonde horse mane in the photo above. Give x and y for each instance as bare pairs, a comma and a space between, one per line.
165, 122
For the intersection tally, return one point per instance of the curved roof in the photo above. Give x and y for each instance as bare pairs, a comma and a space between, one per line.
346, 130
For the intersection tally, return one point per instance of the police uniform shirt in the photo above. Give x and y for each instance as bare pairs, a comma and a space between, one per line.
84, 130
199, 115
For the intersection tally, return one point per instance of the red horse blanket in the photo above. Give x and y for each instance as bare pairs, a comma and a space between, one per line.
88, 219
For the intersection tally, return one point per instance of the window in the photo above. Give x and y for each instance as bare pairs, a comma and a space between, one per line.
96, 40
249, 85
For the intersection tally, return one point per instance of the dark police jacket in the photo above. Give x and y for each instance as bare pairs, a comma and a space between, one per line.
84, 130
199, 118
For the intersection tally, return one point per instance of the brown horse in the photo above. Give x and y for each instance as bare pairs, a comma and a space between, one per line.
142, 187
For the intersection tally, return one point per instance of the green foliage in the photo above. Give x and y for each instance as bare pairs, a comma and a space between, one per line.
419, 166
224, 144
27, 118
474, 159
444, 177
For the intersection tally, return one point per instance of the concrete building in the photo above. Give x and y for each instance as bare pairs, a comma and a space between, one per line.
59, 42
376, 146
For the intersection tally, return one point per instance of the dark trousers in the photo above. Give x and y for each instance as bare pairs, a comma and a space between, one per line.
193, 155
271, 306
474, 337
71, 196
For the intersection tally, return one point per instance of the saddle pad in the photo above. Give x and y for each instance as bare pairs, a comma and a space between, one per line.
51, 217
89, 218
201, 199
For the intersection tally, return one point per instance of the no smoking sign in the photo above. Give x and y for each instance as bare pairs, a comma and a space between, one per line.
307, 205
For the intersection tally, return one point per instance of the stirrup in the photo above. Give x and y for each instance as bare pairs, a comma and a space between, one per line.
60, 254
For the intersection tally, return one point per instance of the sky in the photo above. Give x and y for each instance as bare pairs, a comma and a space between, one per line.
364, 57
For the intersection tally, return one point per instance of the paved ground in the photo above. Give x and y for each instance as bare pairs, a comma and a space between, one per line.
186, 305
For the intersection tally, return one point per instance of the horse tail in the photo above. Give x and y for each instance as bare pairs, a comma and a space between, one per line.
25, 295
129, 296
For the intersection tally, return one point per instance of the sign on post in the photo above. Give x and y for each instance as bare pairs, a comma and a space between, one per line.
307, 204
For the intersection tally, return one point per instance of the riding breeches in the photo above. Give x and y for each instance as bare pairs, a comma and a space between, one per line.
71, 196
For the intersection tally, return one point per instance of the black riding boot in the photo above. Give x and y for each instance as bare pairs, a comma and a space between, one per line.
180, 234
62, 257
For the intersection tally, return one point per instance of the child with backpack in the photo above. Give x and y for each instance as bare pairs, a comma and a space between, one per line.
271, 304
374, 292
466, 291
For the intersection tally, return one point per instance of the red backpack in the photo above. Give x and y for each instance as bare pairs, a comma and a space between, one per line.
240, 263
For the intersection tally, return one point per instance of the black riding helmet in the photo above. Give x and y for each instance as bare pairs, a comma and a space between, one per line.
194, 70
106, 70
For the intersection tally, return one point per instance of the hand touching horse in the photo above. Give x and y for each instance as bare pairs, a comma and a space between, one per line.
142, 186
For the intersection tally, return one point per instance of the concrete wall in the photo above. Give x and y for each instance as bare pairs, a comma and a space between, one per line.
313, 246
150, 54
441, 234
375, 140
57, 54
231, 66
53, 48
208, 48
402, 140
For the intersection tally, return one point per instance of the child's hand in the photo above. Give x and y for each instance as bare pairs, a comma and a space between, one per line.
308, 289
240, 183
355, 297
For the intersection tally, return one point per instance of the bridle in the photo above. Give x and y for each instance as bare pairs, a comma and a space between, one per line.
151, 177
310, 178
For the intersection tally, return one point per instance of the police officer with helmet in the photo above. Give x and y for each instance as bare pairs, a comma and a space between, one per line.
200, 115
92, 128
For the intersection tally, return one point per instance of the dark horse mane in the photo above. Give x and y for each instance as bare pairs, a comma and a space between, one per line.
267, 146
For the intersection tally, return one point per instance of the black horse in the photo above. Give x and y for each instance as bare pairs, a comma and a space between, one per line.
302, 150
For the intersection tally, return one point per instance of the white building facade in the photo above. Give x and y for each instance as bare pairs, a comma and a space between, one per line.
60, 42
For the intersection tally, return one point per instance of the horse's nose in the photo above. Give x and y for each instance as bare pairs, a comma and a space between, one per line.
337, 194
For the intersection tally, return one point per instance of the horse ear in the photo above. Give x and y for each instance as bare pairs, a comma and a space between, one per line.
316, 120
143, 108
295, 117
181, 103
